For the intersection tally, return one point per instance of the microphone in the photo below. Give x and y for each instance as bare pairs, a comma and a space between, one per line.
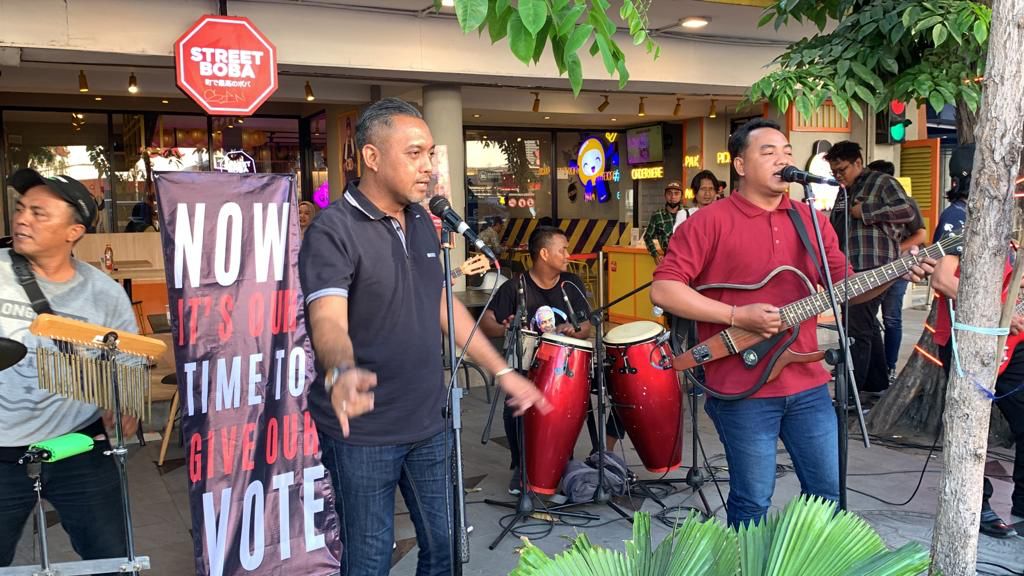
522, 299
440, 207
572, 313
794, 174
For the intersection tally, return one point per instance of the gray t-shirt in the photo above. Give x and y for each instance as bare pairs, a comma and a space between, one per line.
27, 413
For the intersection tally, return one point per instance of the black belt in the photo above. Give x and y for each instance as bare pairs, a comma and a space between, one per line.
11, 454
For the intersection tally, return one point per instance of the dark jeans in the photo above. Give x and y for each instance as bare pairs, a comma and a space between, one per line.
892, 321
1012, 407
86, 493
750, 430
868, 351
364, 480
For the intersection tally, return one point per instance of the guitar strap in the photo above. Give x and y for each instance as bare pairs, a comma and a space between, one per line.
801, 231
23, 271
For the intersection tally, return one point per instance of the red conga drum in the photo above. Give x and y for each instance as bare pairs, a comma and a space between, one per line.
561, 370
647, 399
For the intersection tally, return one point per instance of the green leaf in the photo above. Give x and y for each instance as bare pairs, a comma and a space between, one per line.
541, 39
471, 14
567, 23
980, 32
560, 4
620, 66
578, 38
866, 96
890, 64
971, 96
533, 14
841, 106
639, 37
843, 67
575, 68
926, 23
866, 75
765, 18
558, 51
520, 40
498, 27
936, 101
939, 35
607, 54
803, 106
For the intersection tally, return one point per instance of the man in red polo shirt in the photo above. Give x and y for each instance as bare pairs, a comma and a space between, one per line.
740, 240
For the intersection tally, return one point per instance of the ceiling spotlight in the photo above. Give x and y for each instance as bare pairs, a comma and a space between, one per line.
476, 115
98, 98
309, 92
231, 123
239, 120
83, 82
679, 107
640, 111
547, 117
133, 84
536, 101
165, 101
713, 109
603, 105
694, 22
448, 3
615, 119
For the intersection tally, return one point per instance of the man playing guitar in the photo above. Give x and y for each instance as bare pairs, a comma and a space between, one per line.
742, 240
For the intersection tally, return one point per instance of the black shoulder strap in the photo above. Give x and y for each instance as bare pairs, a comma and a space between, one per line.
23, 270
801, 231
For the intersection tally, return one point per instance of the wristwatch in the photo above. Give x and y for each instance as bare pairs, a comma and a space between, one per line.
332, 376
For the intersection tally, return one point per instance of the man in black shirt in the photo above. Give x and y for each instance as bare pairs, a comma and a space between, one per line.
542, 286
375, 309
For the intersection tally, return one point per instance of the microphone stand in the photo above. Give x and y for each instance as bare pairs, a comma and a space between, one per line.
453, 468
839, 357
601, 495
524, 506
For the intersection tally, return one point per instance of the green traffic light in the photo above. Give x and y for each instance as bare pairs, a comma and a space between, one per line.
898, 132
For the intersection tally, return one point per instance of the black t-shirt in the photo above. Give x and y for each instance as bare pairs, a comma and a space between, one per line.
393, 281
504, 302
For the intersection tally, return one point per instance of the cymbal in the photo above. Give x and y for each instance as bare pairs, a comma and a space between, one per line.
11, 352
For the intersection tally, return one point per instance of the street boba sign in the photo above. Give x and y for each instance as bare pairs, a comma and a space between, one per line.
226, 65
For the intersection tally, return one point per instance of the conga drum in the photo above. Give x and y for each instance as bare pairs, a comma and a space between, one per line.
647, 399
561, 370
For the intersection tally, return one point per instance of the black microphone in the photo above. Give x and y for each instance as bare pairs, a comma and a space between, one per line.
794, 174
572, 313
441, 208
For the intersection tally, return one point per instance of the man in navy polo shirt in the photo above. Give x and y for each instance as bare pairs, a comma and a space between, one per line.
375, 312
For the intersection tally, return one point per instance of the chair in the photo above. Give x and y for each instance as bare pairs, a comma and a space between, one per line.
166, 390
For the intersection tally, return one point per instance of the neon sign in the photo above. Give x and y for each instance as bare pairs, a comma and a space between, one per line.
692, 161
723, 158
648, 173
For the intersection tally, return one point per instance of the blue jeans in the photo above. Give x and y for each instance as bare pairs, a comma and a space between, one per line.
892, 321
750, 429
86, 493
364, 480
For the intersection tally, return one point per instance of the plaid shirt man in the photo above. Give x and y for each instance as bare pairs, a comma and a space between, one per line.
885, 212
660, 228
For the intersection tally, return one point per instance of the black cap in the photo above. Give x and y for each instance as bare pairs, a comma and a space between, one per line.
961, 162
70, 190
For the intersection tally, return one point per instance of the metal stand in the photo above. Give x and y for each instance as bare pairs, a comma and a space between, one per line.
457, 534
601, 495
524, 506
843, 364
132, 564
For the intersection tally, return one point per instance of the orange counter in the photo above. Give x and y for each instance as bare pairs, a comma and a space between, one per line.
628, 268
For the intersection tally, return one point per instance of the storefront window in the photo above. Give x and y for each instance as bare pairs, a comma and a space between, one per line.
272, 144
54, 143
318, 159
508, 175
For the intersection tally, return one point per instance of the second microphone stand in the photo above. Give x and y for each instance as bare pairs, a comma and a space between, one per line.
524, 506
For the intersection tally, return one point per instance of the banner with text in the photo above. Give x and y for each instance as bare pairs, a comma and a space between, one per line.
260, 499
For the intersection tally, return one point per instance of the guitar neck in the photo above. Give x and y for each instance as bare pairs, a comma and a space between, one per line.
809, 307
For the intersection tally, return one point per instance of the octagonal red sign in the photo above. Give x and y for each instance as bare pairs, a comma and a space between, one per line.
226, 65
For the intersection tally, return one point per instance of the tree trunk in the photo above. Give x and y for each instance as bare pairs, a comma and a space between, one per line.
990, 209
913, 405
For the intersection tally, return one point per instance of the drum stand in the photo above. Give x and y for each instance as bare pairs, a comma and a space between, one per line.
524, 506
